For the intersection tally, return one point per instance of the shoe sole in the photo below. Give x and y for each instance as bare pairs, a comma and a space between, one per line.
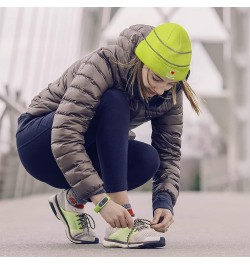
116, 244
53, 202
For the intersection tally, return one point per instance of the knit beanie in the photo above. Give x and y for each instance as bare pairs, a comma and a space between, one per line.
166, 51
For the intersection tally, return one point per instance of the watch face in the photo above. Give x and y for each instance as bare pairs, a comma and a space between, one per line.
103, 202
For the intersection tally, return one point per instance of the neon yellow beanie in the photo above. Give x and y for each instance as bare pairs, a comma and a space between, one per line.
166, 51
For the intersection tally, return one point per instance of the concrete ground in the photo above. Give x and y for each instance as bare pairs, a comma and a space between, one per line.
206, 225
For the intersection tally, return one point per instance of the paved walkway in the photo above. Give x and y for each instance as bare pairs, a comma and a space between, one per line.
206, 225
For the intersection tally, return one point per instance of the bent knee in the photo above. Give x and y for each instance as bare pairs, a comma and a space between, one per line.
149, 157
114, 96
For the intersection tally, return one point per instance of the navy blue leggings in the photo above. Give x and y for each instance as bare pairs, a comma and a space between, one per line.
123, 164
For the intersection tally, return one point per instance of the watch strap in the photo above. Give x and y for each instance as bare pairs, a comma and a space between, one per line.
101, 204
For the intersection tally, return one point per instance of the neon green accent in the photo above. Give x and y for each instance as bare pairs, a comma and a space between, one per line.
121, 234
72, 219
166, 51
101, 204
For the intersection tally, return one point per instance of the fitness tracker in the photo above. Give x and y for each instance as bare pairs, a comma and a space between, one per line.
101, 204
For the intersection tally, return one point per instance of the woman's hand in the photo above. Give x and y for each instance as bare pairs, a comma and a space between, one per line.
163, 218
116, 215
113, 213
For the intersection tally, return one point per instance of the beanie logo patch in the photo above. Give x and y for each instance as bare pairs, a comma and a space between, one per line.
171, 73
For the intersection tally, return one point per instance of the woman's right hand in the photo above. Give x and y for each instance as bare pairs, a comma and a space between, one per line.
116, 215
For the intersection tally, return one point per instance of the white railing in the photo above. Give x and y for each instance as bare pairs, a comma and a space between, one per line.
36, 47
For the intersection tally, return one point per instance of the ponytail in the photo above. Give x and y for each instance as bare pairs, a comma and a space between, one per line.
191, 96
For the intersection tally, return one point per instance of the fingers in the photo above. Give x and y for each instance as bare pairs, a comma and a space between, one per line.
161, 230
162, 227
112, 223
156, 218
125, 220
129, 220
162, 220
119, 222
122, 220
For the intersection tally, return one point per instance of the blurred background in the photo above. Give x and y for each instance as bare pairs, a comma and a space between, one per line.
38, 43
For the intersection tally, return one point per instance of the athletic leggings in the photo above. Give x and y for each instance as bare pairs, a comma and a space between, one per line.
122, 164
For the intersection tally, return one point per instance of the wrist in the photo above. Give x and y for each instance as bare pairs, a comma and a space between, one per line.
97, 198
163, 201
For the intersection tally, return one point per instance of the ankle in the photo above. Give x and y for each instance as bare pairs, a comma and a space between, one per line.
121, 198
72, 200
129, 209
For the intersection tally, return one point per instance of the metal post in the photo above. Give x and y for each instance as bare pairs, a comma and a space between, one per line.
239, 159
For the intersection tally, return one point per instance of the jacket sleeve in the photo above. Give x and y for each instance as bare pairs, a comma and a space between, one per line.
72, 119
166, 138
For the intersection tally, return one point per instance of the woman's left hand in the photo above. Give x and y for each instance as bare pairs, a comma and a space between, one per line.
163, 218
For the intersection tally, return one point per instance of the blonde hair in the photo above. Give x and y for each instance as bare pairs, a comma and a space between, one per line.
135, 71
191, 96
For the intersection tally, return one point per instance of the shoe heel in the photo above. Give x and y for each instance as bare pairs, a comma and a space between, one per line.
53, 208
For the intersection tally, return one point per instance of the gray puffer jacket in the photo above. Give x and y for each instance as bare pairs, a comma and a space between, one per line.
75, 97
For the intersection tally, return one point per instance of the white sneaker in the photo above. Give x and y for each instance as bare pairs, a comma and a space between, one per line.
79, 225
140, 236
